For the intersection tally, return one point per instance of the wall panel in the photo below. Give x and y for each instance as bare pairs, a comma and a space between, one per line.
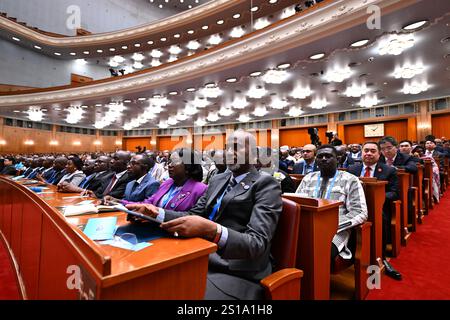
440, 124
354, 133
299, 137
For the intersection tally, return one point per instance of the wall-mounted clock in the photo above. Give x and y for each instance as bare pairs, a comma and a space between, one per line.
374, 130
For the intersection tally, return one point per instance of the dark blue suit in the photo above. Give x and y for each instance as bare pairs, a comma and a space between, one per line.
298, 167
139, 192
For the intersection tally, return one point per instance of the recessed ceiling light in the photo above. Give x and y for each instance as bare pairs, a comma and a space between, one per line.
127, 100
220, 22
317, 56
142, 99
37, 47
57, 54
236, 16
72, 53
98, 105
15, 39
231, 80
86, 52
205, 27
273, 1
112, 49
100, 51
415, 25
191, 31
173, 93
254, 9
16, 111
163, 39
176, 35
190, 6
255, 74
124, 47
137, 45
160, 6
284, 66
190, 89
150, 42
359, 43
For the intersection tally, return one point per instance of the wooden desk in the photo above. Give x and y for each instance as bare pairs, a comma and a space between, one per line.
48, 249
404, 184
375, 193
319, 221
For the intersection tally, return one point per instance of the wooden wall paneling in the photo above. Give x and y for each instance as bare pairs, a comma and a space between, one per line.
412, 129
16, 221
440, 124
171, 143
31, 248
130, 144
299, 136
263, 138
57, 255
77, 79
209, 141
354, 133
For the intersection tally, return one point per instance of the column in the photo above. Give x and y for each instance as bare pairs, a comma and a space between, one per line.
423, 121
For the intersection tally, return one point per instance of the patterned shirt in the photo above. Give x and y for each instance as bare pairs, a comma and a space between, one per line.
346, 188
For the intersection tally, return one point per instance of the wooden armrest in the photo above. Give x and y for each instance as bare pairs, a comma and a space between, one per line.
362, 259
283, 284
395, 227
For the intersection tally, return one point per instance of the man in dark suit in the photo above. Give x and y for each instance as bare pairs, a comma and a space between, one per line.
239, 212
115, 186
266, 164
143, 186
285, 163
309, 165
59, 171
95, 181
392, 157
371, 167
9, 168
355, 152
343, 158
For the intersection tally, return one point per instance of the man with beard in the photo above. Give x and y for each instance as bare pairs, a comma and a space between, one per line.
239, 212
144, 185
332, 184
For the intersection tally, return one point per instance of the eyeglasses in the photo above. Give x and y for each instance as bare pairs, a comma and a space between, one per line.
389, 148
306, 151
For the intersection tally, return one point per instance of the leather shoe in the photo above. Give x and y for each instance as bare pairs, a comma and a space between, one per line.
391, 272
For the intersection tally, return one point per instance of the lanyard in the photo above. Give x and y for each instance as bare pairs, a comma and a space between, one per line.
330, 187
169, 195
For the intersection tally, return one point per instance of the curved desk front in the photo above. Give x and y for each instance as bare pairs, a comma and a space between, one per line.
54, 259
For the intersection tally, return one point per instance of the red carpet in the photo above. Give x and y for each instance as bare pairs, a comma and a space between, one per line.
9, 289
424, 262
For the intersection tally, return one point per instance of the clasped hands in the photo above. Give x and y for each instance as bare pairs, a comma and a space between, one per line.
186, 226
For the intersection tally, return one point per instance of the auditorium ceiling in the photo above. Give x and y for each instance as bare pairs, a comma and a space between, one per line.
385, 70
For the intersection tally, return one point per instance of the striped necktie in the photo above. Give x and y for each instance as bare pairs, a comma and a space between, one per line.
216, 207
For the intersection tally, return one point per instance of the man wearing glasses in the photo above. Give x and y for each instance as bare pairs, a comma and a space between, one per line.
309, 163
393, 158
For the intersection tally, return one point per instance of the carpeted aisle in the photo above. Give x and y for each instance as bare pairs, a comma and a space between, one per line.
9, 289
424, 263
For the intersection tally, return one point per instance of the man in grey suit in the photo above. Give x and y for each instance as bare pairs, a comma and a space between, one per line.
239, 212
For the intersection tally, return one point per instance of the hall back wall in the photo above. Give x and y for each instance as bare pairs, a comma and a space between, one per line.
354, 133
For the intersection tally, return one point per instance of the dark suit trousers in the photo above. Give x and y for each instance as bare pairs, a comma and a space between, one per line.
386, 232
238, 288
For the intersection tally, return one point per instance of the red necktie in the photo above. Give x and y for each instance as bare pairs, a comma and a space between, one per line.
367, 172
110, 186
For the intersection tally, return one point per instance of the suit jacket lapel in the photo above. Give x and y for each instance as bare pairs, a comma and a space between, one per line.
215, 194
239, 189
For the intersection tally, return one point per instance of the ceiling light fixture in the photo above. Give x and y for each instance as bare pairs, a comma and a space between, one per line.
368, 101
356, 91
200, 122
72, 53
359, 43
300, 92
256, 92
236, 16
317, 56
290, 11
295, 112
35, 114
284, 66
138, 65
205, 27
16, 39
177, 35
86, 52
138, 56
415, 25
226, 112
155, 63
260, 111
156, 53
193, 45
254, 9
395, 44
190, 31
415, 87
319, 103
175, 49
275, 76
237, 32
57, 54
75, 114
243, 118
213, 117
239, 103
231, 80
100, 51
408, 71
215, 39
211, 92
338, 74
279, 104
255, 74
37, 47
220, 21
261, 23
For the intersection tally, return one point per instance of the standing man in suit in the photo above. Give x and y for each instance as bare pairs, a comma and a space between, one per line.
393, 158
239, 212
144, 185
371, 167
309, 163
